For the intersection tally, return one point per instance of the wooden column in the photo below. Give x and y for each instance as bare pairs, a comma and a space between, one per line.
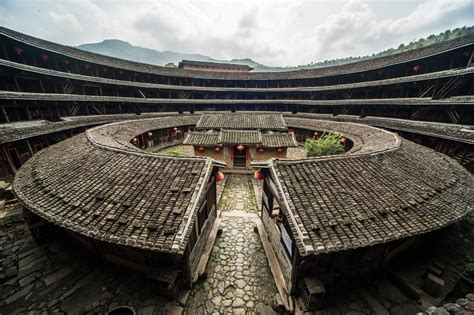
9, 160
5, 114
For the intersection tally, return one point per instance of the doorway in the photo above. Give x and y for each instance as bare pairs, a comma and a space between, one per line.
240, 157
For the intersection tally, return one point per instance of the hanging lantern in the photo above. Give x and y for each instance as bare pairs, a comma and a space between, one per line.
416, 68
219, 177
66, 62
201, 148
279, 150
259, 175
343, 141
240, 147
134, 140
175, 129
217, 149
149, 134
261, 150
44, 57
317, 134
18, 50
290, 130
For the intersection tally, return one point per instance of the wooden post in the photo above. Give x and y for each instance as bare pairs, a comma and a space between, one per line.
30, 149
9, 160
4, 112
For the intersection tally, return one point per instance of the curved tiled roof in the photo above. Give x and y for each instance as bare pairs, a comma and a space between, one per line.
354, 67
455, 132
414, 101
383, 189
145, 85
10, 132
15, 131
98, 184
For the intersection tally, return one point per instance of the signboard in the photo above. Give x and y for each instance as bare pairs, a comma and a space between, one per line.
286, 239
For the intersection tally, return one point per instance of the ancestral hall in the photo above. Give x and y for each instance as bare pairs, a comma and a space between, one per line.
238, 139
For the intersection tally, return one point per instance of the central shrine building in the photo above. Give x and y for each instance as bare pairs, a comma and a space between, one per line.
239, 139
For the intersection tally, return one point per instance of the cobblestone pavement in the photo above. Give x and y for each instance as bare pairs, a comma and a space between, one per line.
238, 279
238, 194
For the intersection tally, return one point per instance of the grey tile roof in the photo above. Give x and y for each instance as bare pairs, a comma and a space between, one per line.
414, 101
383, 189
224, 136
242, 121
275, 140
240, 136
202, 138
99, 185
455, 132
14, 131
374, 83
354, 67
213, 64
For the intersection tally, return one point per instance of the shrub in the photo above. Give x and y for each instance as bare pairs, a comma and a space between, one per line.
173, 152
327, 144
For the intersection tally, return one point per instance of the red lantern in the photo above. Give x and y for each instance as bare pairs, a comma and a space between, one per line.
134, 140
201, 148
66, 62
290, 130
149, 134
343, 141
219, 177
259, 175
175, 129
317, 134
18, 50
217, 149
240, 147
416, 68
261, 150
280, 150
44, 57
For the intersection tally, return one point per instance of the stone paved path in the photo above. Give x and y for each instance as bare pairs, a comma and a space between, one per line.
239, 280
238, 194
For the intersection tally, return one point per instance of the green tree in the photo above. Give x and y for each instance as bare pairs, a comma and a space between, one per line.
328, 144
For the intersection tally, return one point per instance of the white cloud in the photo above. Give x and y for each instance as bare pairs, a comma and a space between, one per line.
271, 32
66, 20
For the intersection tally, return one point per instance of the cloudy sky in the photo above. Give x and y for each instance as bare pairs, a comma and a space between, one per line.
270, 32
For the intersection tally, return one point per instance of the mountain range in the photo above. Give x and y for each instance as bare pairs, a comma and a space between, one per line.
124, 50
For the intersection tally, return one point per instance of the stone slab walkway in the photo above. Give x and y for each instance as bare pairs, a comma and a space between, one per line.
239, 280
238, 194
